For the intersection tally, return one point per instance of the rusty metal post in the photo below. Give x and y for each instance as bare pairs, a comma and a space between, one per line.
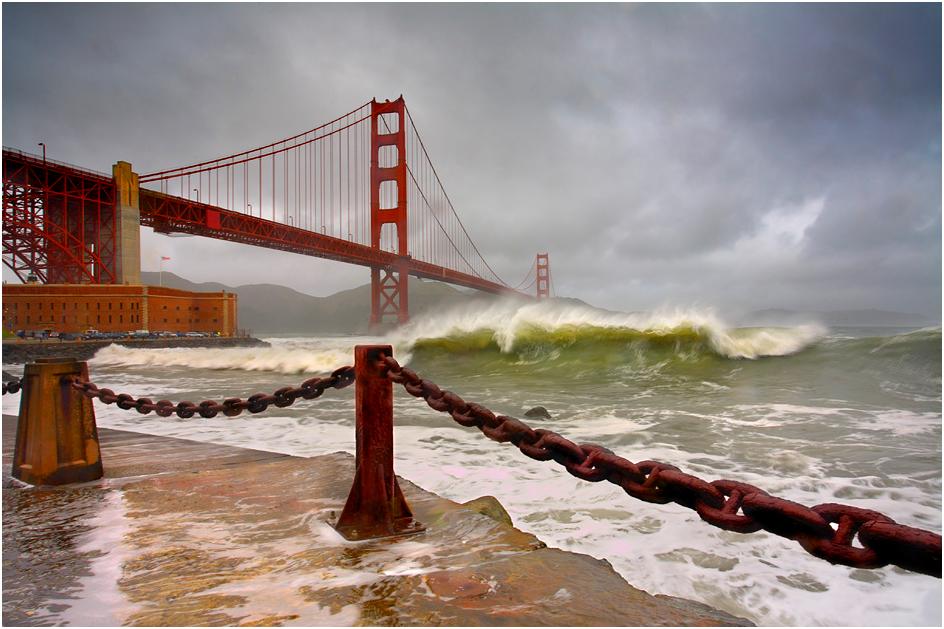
376, 506
56, 436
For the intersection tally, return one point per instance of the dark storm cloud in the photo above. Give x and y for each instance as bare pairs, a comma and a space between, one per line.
730, 155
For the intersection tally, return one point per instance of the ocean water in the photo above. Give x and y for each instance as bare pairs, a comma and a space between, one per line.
807, 413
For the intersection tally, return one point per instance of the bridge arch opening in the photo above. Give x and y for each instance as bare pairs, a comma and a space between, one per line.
389, 195
388, 123
388, 156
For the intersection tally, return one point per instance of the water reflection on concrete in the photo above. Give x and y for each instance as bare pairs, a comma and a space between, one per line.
43, 565
252, 545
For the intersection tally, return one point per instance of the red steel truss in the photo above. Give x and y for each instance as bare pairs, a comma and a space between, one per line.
59, 222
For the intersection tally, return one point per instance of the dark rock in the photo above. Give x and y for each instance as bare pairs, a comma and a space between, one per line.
538, 411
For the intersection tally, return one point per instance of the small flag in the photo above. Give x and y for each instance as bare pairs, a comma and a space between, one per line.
164, 258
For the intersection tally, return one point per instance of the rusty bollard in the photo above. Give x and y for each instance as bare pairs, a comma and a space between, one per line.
376, 506
56, 436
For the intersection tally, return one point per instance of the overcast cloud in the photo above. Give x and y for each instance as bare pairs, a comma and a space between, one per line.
735, 156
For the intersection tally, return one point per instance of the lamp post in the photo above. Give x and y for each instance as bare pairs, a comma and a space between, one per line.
250, 208
198, 194
45, 204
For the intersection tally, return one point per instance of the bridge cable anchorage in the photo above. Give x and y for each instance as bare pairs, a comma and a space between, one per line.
231, 407
726, 504
13, 386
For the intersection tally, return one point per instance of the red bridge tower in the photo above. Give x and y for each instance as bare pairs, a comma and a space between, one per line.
389, 285
543, 275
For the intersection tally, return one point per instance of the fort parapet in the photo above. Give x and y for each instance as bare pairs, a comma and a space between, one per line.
116, 308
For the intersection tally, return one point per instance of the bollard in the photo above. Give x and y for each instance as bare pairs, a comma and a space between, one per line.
376, 506
56, 436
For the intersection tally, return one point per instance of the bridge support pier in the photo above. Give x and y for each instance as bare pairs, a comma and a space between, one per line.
389, 295
128, 236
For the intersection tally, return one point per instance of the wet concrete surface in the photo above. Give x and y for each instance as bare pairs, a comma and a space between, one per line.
249, 542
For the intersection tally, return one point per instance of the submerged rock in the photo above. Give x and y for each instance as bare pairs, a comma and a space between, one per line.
489, 505
538, 411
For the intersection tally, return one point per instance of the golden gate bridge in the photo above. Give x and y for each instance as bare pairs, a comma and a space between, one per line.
360, 189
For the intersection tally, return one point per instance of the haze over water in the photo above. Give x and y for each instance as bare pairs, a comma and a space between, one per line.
807, 413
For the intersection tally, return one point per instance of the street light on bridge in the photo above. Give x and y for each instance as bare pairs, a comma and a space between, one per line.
198, 194
43, 144
250, 208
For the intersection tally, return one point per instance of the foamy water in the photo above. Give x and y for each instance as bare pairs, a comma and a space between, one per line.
809, 423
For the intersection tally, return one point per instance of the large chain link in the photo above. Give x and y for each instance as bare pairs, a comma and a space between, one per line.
726, 504
13, 386
231, 407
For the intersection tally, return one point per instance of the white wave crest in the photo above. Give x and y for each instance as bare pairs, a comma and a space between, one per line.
279, 358
507, 319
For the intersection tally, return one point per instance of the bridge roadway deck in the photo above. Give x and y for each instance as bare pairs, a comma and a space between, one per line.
187, 533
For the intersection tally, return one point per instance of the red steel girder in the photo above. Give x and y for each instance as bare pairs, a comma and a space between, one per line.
167, 213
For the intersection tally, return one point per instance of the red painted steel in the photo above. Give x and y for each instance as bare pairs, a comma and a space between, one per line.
166, 213
59, 221
328, 192
376, 506
543, 273
389, 286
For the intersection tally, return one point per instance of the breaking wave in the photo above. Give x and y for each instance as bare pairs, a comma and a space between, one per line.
514, 329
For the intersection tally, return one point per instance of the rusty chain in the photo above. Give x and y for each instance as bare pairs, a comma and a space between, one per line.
726, 504
231, 407
13, 386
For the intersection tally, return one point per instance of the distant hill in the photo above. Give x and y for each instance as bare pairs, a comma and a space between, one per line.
273, 309
848, 318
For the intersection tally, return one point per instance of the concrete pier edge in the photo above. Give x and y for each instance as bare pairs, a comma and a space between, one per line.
181, 532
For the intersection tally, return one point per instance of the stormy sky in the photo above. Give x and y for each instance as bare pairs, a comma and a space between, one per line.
726, 156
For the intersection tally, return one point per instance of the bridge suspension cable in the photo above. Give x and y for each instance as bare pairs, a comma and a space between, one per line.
320, 181
429, 187
317, 180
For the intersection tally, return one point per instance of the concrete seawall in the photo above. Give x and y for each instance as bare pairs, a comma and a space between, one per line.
26, 351
187, 533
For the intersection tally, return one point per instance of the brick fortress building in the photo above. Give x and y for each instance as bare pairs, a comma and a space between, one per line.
116, 308
74, 237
